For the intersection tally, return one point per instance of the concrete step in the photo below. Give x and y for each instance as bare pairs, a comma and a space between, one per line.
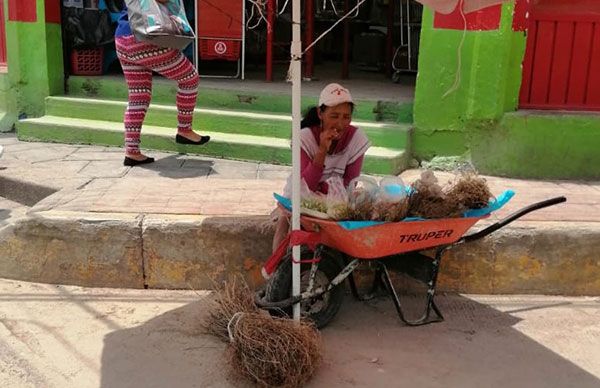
248, 96
216, 120
379, 160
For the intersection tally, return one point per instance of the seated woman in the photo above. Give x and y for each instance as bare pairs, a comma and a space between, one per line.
330, 147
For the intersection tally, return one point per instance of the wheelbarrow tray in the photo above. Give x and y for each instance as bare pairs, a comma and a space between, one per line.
397, 245
391, 238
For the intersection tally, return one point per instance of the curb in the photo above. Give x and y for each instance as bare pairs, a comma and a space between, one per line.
191, 252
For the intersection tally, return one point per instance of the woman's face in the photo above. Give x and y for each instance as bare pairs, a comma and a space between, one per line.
336, 118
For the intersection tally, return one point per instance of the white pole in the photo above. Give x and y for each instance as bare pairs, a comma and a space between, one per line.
296, 69
243, 39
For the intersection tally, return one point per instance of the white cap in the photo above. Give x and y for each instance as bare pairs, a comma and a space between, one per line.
334, 94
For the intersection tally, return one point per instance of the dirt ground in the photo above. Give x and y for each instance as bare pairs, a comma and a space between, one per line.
58, 336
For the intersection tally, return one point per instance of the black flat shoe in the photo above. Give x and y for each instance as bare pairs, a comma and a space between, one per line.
184, 140
132, 162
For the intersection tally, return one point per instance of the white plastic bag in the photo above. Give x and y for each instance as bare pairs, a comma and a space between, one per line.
337, 198
164, 25
391, 202
448, 6
313, 204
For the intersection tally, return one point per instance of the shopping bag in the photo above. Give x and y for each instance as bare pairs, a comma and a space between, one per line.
164, 25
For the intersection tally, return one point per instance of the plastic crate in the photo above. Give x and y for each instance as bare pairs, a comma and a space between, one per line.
87, 61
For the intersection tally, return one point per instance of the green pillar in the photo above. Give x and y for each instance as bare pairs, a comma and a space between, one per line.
7, 112
454, 95
35, 58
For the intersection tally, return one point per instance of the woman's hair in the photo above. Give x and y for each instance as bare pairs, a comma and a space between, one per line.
311, 117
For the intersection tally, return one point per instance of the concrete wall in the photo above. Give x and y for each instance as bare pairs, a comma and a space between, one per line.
35, 60
7, 109
461, 106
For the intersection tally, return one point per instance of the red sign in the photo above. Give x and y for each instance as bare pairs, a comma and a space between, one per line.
485, 19
222, 49
22, 10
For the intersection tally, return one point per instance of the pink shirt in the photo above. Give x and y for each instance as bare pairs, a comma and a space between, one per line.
312, 173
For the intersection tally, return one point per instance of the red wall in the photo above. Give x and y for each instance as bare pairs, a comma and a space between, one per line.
22, 10
53, 11
2, 35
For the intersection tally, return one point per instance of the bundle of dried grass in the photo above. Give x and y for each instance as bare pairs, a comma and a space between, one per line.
428, 199
231, 297
274, 352
470, 191
390, 211
314, 203
361, 210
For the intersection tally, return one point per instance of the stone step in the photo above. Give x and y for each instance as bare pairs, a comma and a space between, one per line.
379, 160
216, 120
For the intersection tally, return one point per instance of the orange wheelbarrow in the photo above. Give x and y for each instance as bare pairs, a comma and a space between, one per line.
331, 251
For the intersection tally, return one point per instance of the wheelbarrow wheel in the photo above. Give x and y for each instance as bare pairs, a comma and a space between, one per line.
320, 310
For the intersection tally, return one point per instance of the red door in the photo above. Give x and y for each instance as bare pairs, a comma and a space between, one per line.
562, 58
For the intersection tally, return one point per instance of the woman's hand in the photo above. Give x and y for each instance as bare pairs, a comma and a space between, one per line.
326, 138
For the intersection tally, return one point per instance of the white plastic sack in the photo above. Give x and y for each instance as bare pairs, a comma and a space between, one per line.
448, 6
164, 25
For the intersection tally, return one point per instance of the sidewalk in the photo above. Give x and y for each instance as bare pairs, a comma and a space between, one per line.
183, 219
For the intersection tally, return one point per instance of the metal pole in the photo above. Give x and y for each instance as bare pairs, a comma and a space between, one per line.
346, 54
195, 51
389, 51
243, 39
270, 31
409, 35
296, 67
309, 15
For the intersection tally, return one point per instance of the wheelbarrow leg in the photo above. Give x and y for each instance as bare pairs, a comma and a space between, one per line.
431, 287
376, 286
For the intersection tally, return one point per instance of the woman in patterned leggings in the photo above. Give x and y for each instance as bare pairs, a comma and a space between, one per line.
138, 60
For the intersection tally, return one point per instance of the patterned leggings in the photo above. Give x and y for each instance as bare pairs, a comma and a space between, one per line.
138, 60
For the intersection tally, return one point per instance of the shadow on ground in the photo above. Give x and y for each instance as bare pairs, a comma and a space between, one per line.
366, 345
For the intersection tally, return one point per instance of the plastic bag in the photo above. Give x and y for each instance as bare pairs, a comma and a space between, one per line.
361, 195
165, 25
87, 28
448, 6
392, 189
391, 200
313, 204
337, 198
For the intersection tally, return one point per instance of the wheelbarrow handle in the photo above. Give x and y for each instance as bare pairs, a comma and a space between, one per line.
516, 215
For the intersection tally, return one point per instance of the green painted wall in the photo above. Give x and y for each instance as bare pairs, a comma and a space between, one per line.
7, 115
478, 117
537, 144
444, 102
35, 64
7, 108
